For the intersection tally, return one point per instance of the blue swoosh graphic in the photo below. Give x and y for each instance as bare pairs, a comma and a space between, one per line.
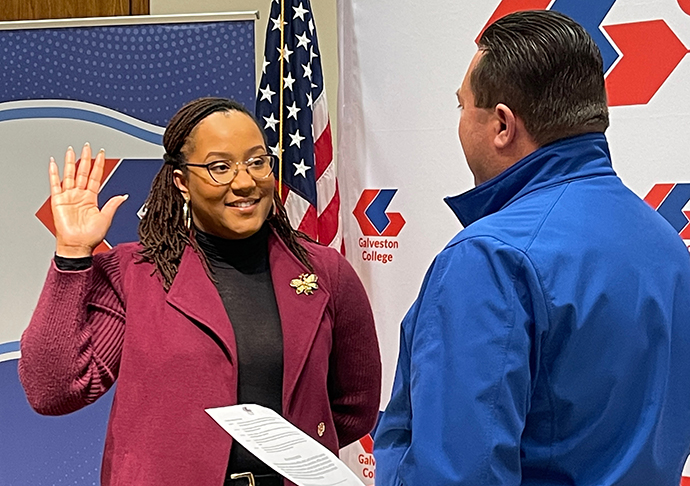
10, 347
85, 115
590, 14
376, 212
672, 207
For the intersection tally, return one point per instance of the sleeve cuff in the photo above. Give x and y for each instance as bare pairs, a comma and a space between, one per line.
73, 264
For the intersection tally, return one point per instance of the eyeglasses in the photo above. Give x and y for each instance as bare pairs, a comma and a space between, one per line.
222, 171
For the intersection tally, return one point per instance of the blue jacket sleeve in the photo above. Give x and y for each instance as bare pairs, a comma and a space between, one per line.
462, 386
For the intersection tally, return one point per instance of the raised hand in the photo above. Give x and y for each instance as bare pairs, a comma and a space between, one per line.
79, 225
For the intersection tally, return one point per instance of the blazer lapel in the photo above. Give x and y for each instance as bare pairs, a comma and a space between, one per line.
300, 314
193, 294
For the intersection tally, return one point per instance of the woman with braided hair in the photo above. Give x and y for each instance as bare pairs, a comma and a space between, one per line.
221, 302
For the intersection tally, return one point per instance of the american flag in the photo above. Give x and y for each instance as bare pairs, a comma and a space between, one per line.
309, 183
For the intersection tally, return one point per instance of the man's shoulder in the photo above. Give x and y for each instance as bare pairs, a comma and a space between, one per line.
602, 216
515, 225
481, 247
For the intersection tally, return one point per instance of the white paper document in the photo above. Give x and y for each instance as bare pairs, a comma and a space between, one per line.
283, 447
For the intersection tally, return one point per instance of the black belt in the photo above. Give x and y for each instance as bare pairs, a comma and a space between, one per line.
249, 479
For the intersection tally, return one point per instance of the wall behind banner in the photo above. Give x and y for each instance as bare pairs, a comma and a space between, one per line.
59, 9
399, 154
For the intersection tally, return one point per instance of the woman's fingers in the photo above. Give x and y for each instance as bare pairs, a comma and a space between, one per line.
54, 178
94, 183
68, 176
81, 177
84, 167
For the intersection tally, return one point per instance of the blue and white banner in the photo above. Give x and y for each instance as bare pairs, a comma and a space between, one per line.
115, 84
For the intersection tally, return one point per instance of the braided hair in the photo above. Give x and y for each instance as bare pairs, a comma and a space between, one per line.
162, 231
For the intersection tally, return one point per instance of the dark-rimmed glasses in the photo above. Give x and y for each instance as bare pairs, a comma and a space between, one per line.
224, 171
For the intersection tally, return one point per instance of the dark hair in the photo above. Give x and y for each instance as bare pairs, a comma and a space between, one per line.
547, 69
162, 229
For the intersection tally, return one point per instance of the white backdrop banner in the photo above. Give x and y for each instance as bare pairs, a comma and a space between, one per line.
399, 154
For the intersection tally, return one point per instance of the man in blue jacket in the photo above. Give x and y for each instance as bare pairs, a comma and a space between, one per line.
550, 342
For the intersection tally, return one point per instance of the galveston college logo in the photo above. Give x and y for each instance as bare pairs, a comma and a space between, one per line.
672, 201
638, 56
378, 226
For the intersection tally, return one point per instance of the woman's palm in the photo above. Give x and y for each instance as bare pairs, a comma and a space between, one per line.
79, 225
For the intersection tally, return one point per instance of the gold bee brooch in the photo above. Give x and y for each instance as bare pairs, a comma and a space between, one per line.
305, 284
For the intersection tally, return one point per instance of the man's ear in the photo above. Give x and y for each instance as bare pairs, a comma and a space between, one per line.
507, 130
181, 183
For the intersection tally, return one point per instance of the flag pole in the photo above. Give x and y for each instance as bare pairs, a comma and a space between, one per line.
281, 108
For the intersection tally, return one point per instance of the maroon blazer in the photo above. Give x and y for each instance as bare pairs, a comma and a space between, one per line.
174, 355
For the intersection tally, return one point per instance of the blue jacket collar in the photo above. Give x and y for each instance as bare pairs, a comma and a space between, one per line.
564, 160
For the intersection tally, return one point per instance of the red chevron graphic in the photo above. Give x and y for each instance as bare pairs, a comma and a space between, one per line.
45, 213
365, 200
645, 66
650, 53
684, 6
367, 443
396, 224
657, 195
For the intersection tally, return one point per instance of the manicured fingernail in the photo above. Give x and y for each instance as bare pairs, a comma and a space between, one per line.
70, 148
102, 150
87, 144
126, 196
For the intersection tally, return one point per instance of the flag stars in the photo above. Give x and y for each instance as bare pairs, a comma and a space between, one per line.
299, 12
301, 169
296, 139
303, 41
276, 24
267, 94
293, 110
289, 81
307, 70
271, 122
275, 150
294, 73
285, 53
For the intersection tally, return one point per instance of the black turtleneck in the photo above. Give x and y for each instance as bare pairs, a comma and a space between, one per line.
243, 279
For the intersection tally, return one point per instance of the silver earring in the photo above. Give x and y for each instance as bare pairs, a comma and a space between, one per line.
187, 215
